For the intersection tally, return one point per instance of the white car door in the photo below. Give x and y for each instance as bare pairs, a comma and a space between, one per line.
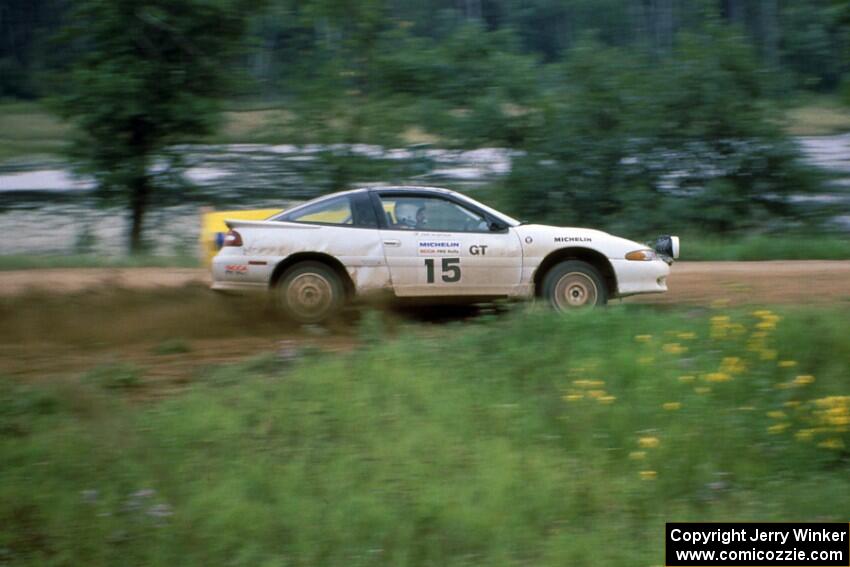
438, 246
343, 226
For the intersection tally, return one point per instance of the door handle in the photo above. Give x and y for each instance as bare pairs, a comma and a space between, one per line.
392, 242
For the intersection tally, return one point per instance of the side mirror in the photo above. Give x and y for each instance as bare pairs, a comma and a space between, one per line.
497, 226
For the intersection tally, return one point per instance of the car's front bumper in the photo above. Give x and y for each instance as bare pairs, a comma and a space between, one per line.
634, 277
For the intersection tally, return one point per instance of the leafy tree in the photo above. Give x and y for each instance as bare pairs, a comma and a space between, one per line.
146, 75
686, 142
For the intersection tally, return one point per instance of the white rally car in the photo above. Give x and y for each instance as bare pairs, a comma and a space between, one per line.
431, 243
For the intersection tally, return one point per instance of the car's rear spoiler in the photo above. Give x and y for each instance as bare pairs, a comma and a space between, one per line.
214, 227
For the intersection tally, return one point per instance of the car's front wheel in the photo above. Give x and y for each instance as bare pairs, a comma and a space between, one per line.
310, 292
574, 284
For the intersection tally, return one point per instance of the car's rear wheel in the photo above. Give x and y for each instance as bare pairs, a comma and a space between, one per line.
310, 292
574, 285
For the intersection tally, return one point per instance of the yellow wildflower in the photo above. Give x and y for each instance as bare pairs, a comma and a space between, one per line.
833, 443
804, 434
733, 365
574, 397
637, 455
768, 354
643, 338
581, 383
804, 380
596, 394
672, 406
607, 399
674, 348
777, 428
649, 442
687, 336
648, 475
717, 377
776, 415
736, 328
787, 363
839, 420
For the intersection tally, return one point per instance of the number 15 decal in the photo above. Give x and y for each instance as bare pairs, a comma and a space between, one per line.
451, 270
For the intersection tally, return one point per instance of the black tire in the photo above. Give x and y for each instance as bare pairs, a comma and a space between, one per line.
310, 292
574, 284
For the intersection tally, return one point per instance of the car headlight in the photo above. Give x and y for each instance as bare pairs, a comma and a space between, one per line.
644, 255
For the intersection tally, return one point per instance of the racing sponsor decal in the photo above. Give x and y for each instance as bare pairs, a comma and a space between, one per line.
438, 247
236, 270
573, 239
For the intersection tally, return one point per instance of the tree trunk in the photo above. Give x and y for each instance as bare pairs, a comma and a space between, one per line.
662, 19
735, 11
770, 31
139, 193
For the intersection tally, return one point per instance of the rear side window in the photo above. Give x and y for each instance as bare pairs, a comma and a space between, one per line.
332, 211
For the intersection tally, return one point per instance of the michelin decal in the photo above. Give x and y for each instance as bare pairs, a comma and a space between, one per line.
438, 247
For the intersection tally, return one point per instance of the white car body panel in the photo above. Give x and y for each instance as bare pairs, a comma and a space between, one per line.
500, 263
490, 264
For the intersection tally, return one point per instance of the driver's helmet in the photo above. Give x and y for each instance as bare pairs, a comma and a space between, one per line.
405, 213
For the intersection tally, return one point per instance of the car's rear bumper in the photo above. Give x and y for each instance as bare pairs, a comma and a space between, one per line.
634, 277
234, 272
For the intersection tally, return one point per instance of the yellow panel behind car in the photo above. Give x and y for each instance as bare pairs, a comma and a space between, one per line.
213, 228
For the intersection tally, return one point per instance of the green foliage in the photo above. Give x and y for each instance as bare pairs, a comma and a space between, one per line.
417, 451
146, 75
815, 44
686, 142
766, 247
172, 346
114, 376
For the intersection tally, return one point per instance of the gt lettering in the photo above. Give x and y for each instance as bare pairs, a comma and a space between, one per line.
478, 249
450, 268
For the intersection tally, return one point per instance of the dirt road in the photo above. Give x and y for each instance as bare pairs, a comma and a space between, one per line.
162, 321
789, 282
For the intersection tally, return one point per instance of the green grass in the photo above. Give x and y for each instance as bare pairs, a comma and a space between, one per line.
767, 247
27, 129
36, 261
817, 116
532, 439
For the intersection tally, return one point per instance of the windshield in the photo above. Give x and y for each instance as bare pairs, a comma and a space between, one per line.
510, 221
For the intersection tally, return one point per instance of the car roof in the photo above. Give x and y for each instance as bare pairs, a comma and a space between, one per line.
409, 188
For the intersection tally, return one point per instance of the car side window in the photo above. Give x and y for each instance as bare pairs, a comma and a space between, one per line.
431, 213
331, 211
